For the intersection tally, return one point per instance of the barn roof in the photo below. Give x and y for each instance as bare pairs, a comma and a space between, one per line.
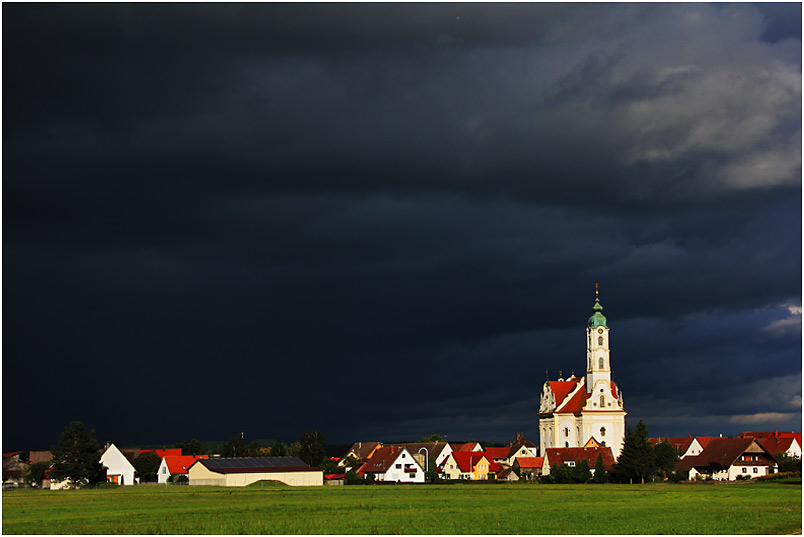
241, 465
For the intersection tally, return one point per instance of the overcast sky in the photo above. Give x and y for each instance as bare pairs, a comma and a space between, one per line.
387, 221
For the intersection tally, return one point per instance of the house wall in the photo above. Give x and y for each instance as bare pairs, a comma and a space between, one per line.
117, 465
201, 475
404, 461
163, 473
695, 448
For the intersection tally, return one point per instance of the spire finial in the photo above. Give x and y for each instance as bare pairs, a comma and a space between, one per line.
597, 290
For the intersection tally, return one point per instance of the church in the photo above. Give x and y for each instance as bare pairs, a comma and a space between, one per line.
585, 411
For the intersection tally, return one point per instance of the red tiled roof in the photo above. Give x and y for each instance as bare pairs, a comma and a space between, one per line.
332, 477
162, 453
775, 434
180, 464
467, 460
6, 455
561, 455
776, 445
530, 462
363, 450
382, 459
469, 446
576, 403
704, 440
562, 388
722, 452
681, 443
497, 452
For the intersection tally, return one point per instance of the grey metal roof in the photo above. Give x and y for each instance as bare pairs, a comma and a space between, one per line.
237, 463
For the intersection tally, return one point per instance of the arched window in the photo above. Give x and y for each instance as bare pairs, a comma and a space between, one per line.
600, 340
566, 444
600, 363
602, 431
566, 431
602, 401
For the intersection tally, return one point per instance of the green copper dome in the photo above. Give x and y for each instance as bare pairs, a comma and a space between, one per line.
597, 318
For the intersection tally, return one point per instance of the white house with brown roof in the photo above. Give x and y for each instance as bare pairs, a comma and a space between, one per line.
360, 451
395, 464
576, 409
242, 471
723, 459
438, 451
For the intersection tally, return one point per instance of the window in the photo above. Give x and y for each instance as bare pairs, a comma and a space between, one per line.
600, 340
745, 470
566, 431
398, 466
571, 464
600, 363
602, 400
566, 444
602, 431
756, 470
164, 470
403, 455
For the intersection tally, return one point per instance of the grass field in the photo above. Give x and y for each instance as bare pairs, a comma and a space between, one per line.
408, 509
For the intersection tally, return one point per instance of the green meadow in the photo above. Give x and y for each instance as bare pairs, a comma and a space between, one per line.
743, 508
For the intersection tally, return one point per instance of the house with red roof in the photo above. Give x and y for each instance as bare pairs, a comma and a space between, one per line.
424, 451
575, 409
471, 465
360, 452
685, 446
176, 465
573, 455
723, 459
787, 443
393, 463
529, 466
468, 446
520, 447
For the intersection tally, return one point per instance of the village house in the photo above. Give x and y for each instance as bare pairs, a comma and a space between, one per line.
520, 447
438, 451
786, 443
684, 445
118, 468
393, 464
176, 465
574, 455
724, 459
242, 471
471, 465
529, 467
360, 452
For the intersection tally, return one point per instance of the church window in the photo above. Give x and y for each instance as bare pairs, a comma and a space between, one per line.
602, 431
566, 444
600, 340
600, 363
566, 431
602, 400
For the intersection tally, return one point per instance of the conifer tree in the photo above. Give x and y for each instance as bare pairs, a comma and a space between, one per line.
636, 459
76, 456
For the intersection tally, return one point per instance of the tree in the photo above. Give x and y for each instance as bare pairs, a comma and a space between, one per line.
433, 438
279, 449
234, 447
601, 475
294, 449
191, 447
636, 459
313, 447
581, 472
666, 458
788, 463
147, 464
76, 456
35, 473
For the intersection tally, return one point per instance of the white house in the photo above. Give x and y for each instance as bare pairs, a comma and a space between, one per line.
176, 465
393, 463
118, 469
436, 450
723, 459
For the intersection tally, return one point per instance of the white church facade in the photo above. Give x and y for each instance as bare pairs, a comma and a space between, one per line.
585, 411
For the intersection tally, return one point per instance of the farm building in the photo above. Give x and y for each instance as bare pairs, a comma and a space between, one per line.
242, 471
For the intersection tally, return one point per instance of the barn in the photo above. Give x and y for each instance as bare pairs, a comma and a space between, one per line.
242, 471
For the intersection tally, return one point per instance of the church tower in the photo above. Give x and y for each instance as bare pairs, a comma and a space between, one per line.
598, 364
588, 410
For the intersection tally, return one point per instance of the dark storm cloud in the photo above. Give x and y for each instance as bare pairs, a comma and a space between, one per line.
401, 204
